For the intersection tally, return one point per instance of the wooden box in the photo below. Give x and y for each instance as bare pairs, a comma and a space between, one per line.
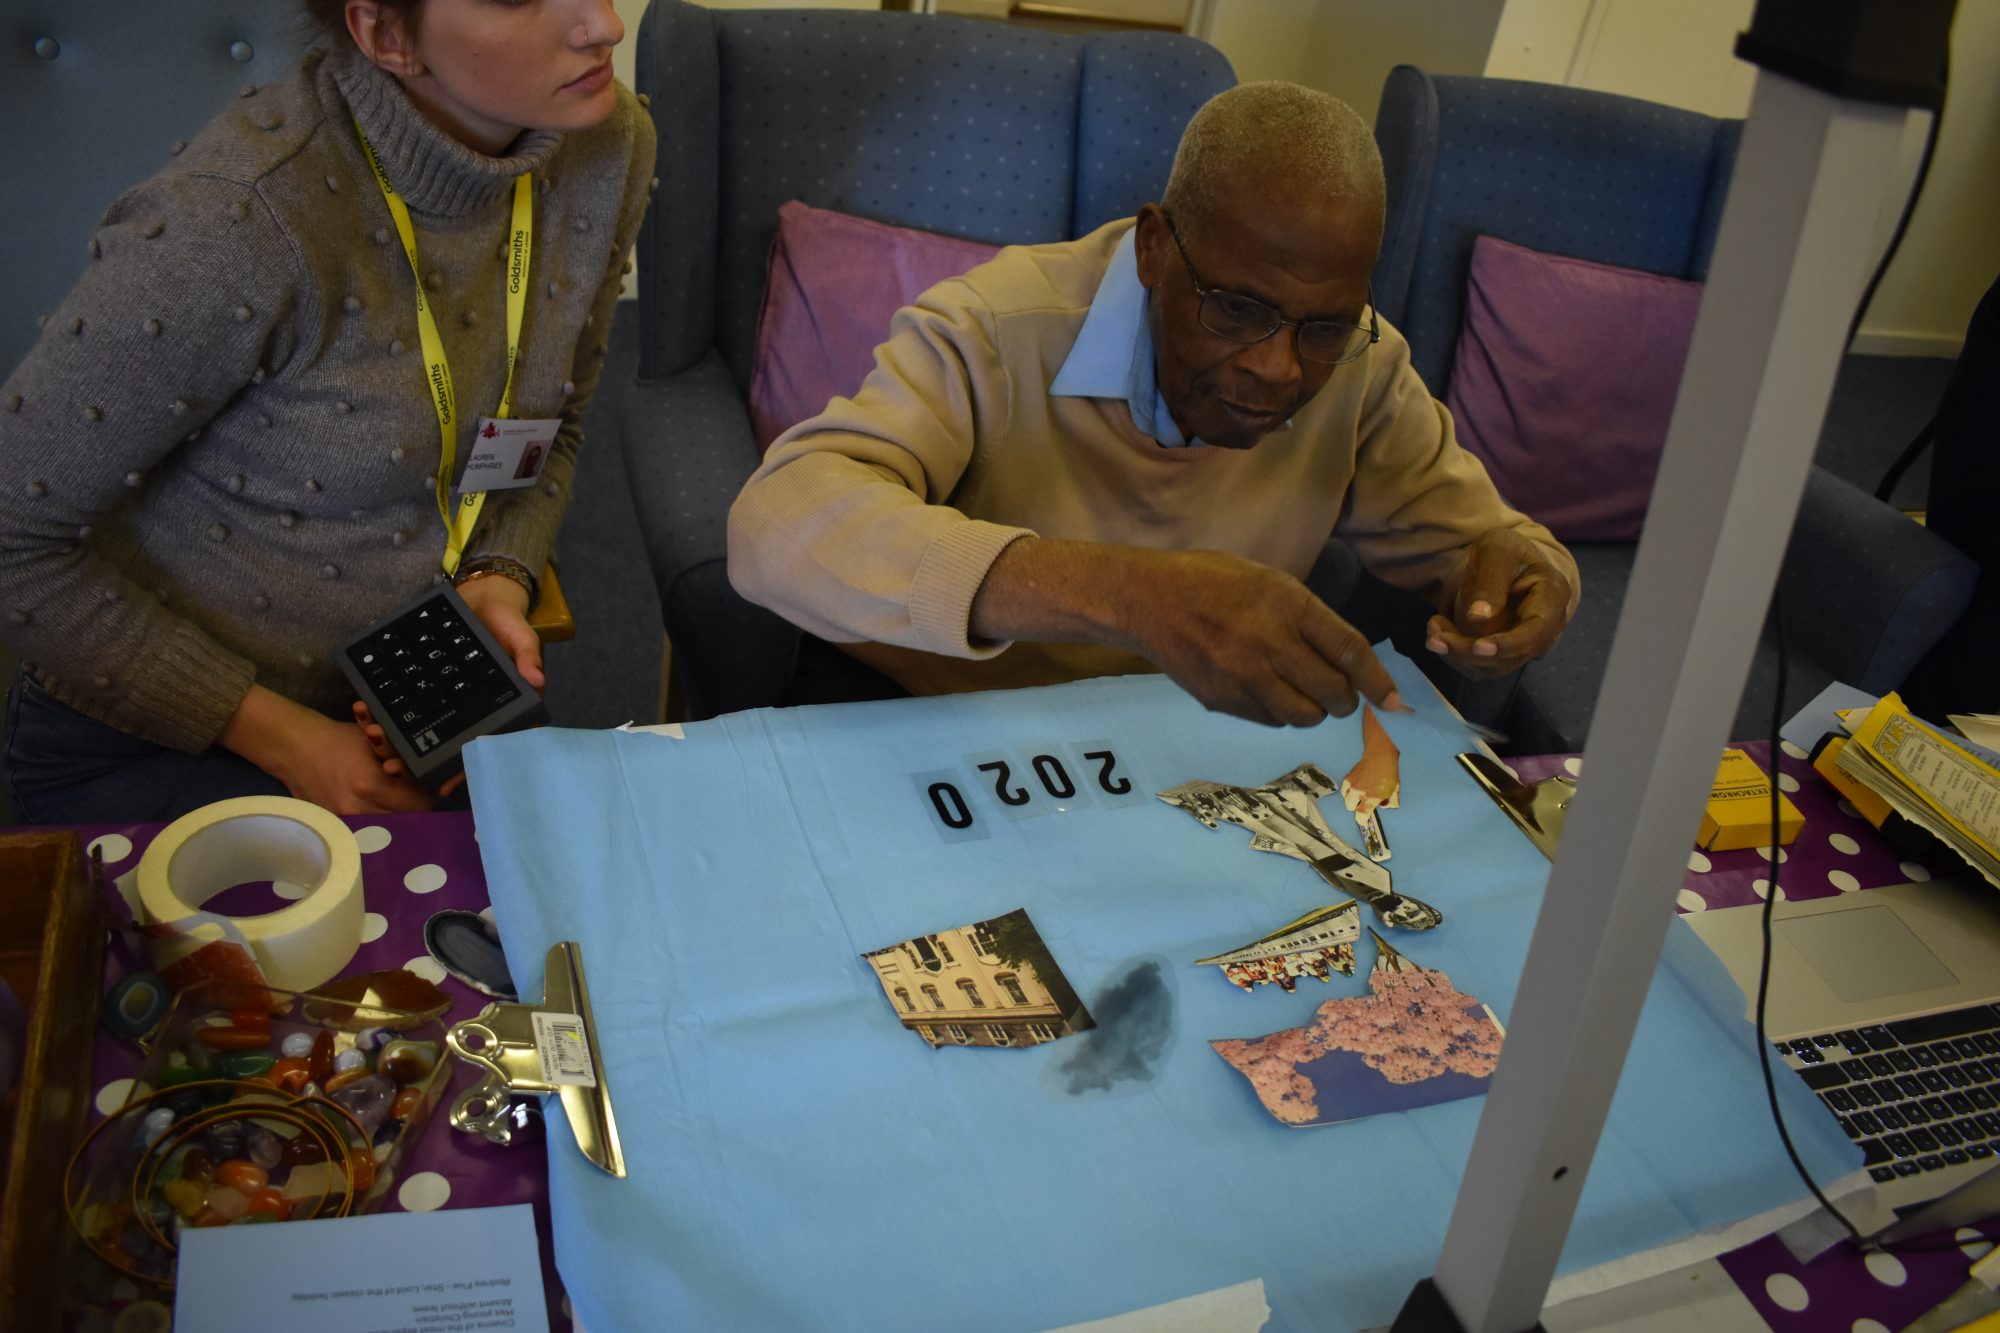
52, 955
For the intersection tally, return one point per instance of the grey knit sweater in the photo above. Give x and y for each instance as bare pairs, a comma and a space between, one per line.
218, 461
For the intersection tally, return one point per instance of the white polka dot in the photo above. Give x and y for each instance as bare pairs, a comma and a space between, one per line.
1691, 901
427, 967
1843, 881
1847, 808
1573, 766
114, 1094
113, 847
1971, 1243
1786, 1292
424, 879
373, 926
372, 838
427, 1191
1783, 855
1887, 1269
486, 914
289, 891
1700, 864
1843, 844
1762, 888
1869, 1326
1796, 753
1913, 872
1786, 782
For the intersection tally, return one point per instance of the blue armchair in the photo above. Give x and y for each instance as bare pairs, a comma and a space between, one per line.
949, 125
1620, 181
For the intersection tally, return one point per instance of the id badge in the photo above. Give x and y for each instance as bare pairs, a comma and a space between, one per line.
507, 452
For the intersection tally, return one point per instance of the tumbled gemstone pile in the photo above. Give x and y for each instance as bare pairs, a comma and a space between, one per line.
218, 1148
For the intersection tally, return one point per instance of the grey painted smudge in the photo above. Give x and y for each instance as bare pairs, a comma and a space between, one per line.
1135, 1020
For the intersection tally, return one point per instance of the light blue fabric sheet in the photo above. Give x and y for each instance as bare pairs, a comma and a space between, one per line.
799, 1160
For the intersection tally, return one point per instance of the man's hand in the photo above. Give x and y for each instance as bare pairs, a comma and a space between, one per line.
1241, 637
503, 605
1511, 606
318, 759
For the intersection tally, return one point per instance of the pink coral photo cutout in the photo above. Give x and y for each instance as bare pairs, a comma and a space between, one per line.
1414, 1040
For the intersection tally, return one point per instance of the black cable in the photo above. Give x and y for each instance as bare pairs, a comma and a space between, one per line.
1915, 448
1770, 904
1911, 453
1777, 711
1868, 1242
1909, 209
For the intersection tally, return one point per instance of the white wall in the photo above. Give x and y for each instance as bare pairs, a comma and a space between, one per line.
1263, 39
1347, 47
1355, 43
1683, 54
1952, 252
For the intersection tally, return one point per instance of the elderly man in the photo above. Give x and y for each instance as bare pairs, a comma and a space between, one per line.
1123, 453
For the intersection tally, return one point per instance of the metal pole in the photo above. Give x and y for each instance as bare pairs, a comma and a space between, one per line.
1790, 262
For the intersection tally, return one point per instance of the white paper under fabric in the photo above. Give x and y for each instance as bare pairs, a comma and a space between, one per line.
1237, 1309
246, 840
799, 1159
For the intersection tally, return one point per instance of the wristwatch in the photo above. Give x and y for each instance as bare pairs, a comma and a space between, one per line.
496, 564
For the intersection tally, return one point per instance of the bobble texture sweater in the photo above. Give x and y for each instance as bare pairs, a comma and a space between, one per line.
218, 461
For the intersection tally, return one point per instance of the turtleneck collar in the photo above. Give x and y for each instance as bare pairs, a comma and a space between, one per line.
435, 173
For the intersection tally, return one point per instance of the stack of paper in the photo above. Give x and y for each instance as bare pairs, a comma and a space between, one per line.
1930, 779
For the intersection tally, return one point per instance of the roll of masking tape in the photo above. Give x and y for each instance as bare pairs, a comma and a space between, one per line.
252, 839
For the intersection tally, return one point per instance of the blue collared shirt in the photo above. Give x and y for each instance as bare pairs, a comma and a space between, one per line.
1113, 353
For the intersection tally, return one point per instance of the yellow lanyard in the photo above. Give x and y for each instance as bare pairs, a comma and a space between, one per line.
437, 372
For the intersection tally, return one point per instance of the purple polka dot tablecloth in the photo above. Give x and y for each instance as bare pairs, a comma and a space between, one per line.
1836, 852
411, 867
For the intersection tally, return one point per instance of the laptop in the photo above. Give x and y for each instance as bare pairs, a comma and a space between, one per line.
1887, 1004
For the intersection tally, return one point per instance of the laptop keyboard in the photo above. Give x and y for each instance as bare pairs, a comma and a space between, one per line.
1917, 1095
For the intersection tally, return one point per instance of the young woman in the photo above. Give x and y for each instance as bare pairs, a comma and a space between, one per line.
223, 455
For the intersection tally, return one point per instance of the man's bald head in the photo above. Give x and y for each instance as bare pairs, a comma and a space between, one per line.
1275, 208
1270, 144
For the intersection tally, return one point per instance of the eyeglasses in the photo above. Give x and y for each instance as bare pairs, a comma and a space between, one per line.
1245, 319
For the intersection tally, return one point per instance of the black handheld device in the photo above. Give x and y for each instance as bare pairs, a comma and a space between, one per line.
434, 678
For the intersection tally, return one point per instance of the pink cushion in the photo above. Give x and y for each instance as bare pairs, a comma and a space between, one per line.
832, 284
1564, 383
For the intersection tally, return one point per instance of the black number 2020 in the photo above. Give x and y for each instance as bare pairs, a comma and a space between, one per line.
1106, 761
951, 807
1008, 795
1055, 778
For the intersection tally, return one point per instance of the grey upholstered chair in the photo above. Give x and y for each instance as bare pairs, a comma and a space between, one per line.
950, 125
1620, 181
97, 93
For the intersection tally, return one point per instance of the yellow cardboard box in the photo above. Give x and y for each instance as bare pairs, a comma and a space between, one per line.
1739, 808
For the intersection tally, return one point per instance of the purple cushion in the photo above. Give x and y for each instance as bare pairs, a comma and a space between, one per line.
832, 285
1564, 382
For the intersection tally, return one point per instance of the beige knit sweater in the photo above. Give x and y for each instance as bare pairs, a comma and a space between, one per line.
874, 523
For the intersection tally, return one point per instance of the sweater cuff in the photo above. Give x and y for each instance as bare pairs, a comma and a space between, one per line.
182, 699
948, 578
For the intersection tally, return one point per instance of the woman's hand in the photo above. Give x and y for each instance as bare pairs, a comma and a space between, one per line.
502, 605
392, 763
318, 759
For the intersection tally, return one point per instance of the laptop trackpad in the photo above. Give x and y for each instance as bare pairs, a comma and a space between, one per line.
1865, 954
